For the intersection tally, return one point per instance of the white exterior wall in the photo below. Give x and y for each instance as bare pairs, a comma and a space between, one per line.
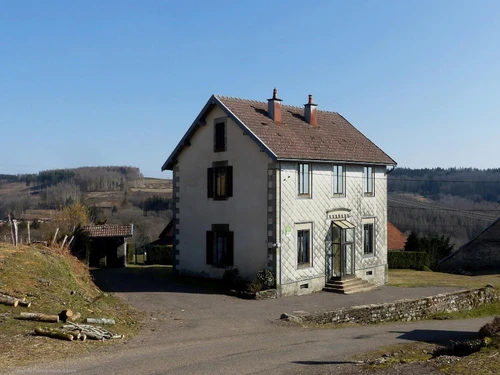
245, 211
292, 211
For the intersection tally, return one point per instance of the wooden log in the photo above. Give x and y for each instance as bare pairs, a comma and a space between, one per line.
94, 336
39, 317
21, 301
24, 303
9, 301
5, 294
76, 334
100, 321
75, 317
54, 334
65, 315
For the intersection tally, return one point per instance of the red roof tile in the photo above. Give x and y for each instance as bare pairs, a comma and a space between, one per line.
395, 239
333, 139
109, 230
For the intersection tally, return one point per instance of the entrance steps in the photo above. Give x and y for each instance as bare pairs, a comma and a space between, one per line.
348, 285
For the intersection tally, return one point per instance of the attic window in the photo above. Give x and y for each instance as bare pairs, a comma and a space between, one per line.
220, 135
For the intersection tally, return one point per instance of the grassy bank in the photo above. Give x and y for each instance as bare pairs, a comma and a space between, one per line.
411, 278
52, 280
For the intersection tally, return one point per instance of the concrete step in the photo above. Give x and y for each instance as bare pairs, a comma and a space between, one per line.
349, 286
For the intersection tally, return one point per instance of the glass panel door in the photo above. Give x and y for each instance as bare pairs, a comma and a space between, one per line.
341, 252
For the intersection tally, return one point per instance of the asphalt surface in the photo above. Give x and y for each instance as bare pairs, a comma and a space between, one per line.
192, 329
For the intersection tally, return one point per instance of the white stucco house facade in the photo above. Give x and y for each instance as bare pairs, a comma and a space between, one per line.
296, 190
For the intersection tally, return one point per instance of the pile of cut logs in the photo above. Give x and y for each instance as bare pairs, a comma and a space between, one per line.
9, 300
71, 331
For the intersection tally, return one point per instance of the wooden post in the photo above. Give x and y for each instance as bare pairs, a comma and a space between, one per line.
55, 236
125, 251
64, 241
16, 236
11, 230
29, 233
70, 243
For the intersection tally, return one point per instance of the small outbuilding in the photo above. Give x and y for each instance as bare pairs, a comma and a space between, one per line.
480, 254
107, 244
395, 239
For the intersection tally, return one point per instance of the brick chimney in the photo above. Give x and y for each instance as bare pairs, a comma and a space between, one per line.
310, 112
274, 107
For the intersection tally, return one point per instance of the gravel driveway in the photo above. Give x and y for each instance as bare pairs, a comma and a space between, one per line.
192, 328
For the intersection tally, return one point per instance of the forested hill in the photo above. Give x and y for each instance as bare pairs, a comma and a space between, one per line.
454, 202
470, 183
86, 178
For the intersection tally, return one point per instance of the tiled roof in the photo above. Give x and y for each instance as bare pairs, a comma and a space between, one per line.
395, 239
333, 139
109, 230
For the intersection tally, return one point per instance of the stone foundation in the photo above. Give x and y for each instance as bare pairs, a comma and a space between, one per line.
402, 310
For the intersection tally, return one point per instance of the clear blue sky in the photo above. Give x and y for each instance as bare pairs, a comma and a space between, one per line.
119, 82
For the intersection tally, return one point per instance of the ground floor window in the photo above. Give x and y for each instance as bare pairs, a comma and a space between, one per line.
304, 247
368, 236
220, 246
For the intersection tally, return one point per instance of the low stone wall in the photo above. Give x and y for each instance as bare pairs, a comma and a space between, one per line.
401, 310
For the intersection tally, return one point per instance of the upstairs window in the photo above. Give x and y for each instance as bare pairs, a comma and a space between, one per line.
304, 179
338, 180
368, 181
220, 181
220, 246
219, 136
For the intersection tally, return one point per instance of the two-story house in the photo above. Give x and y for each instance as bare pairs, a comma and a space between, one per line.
296, 190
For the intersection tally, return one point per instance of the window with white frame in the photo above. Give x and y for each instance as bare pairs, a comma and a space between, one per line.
304, 184
338, 180
368, 181
304, 244
368, 236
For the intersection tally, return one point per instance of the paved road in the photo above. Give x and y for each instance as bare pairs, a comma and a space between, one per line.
194, 330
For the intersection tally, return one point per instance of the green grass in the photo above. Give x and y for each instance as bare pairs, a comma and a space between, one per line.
52, 280
490, 309
411, 278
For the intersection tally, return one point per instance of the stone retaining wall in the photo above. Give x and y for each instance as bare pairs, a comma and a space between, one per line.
401, 310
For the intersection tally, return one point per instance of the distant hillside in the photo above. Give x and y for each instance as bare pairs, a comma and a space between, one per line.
114, 194
456, 202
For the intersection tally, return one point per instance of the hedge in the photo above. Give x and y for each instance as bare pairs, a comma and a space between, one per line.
416, 260
159, 255
130, 253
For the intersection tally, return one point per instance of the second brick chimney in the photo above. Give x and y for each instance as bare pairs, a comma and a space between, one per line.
274, 107
310, 112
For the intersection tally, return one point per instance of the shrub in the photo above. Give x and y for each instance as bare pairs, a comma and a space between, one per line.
490, 329
232, 278
417, 260
159, 255
266, 278
255, 286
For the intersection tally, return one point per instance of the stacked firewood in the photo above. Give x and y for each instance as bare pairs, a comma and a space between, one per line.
9, 300
92, 332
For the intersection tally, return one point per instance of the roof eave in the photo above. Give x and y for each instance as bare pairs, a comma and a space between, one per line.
169, 163
199, 121
338, 161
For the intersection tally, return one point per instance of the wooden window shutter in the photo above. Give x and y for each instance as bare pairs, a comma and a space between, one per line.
210, 247
229, 181
230, 249
210, 183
